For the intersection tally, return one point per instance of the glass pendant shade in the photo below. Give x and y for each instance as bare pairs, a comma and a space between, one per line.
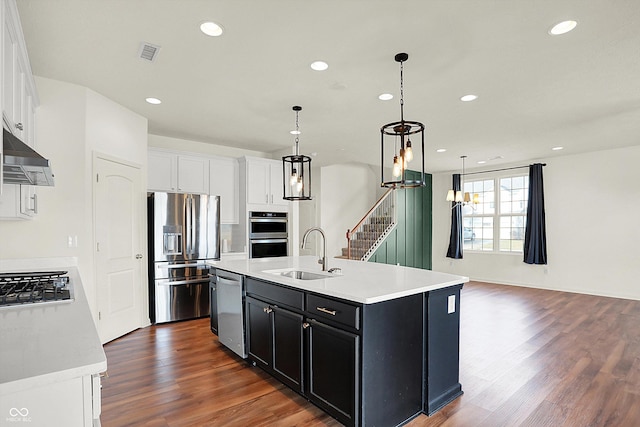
398, 152
296, 171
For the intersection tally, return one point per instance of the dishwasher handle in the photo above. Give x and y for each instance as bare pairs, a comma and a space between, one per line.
230, 282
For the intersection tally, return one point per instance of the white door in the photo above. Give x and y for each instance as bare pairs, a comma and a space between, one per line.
119, 207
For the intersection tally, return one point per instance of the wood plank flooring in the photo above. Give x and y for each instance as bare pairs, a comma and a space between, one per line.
529, 357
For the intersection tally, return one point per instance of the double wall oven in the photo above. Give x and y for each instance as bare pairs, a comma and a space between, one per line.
268, 235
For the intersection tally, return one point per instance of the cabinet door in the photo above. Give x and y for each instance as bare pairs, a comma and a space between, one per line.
162, 171
9, 46
288, 347
258, 175
223, 182
276, 192
193, 175
259, 331
334, 367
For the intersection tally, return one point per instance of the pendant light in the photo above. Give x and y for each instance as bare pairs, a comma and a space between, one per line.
459, 197
296, 171
397, 145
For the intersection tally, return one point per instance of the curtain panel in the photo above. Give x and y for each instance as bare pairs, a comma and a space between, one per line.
455, 238
535, 238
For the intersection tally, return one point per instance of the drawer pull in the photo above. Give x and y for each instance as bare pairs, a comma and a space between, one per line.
326, 310
305, 325
267, 309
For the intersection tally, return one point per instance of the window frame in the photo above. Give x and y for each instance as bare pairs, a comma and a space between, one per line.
468, 213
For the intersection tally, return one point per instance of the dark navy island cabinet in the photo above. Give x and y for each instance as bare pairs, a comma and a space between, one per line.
376, 364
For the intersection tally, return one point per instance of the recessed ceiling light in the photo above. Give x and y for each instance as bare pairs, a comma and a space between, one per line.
154, 101
385, 97
295, 132
468, 98
211, 29
562, 27
482, 162
557, 148
441, 150
319, 65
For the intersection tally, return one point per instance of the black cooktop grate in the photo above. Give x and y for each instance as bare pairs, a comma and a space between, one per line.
33, 287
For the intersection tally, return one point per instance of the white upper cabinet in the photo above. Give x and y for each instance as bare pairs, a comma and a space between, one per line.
193, 174
19, 101
162, 171
173, 172
223, 182
264, 182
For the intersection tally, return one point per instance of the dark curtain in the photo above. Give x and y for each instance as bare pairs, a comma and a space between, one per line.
455, 238
535, 238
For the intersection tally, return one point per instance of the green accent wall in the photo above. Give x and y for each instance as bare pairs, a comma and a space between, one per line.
409, 244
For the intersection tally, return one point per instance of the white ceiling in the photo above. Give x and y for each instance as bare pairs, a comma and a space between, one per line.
580, 90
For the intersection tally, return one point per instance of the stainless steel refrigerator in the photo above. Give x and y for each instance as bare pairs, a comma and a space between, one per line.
184, 233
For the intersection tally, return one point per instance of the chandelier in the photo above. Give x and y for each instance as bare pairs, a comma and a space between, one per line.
397, 145
459, 197
296, 170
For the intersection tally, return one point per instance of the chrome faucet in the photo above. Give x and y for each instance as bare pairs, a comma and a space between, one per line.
322, 260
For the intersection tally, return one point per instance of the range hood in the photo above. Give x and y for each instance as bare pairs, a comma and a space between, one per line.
22, 164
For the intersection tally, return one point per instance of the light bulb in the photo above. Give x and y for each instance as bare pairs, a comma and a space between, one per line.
299, 185
408, 152
294, 177
396, 167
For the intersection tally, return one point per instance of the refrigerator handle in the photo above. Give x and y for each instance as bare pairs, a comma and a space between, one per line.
187, 216
194, 225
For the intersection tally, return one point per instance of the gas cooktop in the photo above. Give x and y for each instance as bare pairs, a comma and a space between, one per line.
33, 287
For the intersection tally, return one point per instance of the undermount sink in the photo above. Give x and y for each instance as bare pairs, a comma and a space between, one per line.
299, 274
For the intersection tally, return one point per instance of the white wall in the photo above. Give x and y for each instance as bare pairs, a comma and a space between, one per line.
348, 192
592, 204
71, 123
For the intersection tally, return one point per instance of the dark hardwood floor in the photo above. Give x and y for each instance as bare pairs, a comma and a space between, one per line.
528, 357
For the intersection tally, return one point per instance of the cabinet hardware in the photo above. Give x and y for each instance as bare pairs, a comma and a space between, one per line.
35, 203
19, 126
305, 325
267, 309
138, 256
326, 310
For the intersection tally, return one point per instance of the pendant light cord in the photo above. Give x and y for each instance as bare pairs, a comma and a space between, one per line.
402, 95
297, 133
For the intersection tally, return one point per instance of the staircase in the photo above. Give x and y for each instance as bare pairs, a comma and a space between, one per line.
372, 229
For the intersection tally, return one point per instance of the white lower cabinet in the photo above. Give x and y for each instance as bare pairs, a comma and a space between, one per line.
71, 403
18, 202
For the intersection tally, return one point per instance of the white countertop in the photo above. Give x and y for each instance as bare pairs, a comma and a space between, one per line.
45, 343
363, 282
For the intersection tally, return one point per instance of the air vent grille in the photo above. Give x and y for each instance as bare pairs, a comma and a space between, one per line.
148, 51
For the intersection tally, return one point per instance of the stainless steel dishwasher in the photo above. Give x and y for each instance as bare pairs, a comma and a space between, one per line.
230, 295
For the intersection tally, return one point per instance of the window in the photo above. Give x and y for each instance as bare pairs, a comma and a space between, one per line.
497, 222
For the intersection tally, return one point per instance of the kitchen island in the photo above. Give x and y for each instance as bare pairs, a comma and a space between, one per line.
50, 355
371, 344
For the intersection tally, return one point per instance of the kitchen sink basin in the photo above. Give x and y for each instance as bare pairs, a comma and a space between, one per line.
300, 274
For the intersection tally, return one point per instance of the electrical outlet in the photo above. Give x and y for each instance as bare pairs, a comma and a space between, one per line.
70, 241
451, 304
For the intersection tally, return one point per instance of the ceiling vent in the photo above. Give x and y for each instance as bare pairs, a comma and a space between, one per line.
148, 51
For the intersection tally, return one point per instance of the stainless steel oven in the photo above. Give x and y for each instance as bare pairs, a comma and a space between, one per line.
268, 234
